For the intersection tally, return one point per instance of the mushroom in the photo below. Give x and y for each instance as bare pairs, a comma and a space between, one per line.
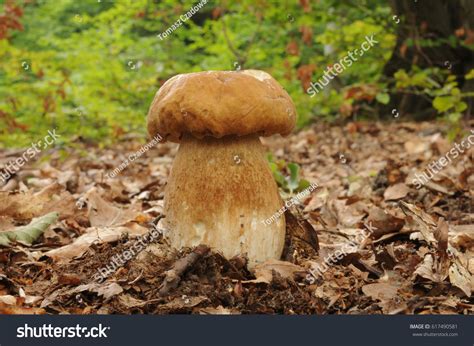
220, 190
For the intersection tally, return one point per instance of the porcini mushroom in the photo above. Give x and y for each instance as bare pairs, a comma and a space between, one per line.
220, 189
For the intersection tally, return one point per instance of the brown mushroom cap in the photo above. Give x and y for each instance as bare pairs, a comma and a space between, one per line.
221, 103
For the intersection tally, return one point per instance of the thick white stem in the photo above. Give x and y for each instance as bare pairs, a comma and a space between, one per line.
219, 193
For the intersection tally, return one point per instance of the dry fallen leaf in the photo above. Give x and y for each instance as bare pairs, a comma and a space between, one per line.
28, 205
459, 274
441, 236
461, 278
423, 221
100, 235
416, 146
8, 299
19, 310
427, 270
381, 290
130, 302
110, 290
183, 302
220, 310
383, 222
264, 271
104, 214
397, 191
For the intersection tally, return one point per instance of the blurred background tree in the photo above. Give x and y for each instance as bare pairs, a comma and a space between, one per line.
90, 68
435, 45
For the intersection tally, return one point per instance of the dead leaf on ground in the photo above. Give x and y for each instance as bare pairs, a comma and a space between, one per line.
220, 310
100, 235
104, 214
264, 271
24, 206
429, 269
383, 222
397, 191
19, 310
381, 290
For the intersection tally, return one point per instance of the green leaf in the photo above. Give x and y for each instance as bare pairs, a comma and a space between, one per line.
353, 178
281, 164
451, 78
454, 118
29, 233
293, 182
455, 92
383, 98
443, 103
461, 106
277, 175
470, 75
303, 185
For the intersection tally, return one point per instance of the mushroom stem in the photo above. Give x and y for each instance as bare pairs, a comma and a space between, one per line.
219, 193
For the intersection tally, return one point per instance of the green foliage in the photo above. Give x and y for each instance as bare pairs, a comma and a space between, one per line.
383, 98
287, 175
442, 88
470, 74
91, 68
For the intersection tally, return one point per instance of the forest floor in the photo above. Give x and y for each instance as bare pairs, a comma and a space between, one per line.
382, 245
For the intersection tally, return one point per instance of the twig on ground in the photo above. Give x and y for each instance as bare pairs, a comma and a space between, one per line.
173, 276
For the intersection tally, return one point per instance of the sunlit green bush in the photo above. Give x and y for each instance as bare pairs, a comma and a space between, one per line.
91, 68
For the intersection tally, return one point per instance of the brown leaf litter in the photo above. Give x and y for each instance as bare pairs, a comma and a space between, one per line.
383, 246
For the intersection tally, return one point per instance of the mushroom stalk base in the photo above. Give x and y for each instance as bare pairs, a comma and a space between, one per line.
219, 193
